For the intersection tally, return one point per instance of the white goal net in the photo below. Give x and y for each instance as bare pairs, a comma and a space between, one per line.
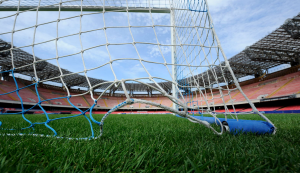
124, 46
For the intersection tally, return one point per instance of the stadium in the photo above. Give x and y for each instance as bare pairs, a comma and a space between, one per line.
156, 72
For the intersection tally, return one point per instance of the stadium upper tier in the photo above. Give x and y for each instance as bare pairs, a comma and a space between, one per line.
286, 85
280, 47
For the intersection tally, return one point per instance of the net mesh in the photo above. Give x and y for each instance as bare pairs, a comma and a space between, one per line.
105, 45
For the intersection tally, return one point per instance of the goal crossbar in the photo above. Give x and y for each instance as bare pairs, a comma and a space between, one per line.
87, 8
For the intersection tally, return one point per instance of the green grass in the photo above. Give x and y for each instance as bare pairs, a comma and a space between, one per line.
149, 143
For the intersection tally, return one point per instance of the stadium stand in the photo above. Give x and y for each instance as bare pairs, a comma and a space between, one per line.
270, 88
294, 107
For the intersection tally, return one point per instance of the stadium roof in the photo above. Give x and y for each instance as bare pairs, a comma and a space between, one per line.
282, 46
47, 70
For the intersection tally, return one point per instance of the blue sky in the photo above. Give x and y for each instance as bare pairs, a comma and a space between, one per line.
242, 23
237, 23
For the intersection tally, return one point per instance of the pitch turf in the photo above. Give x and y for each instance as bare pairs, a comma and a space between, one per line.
149, 143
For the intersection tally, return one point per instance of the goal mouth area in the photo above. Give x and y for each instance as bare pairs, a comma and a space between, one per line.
106, 44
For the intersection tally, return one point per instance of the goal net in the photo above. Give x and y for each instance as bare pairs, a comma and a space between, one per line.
105, 46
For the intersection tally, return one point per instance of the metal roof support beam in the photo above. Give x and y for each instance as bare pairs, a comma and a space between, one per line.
247, 69
272, 55
292, 26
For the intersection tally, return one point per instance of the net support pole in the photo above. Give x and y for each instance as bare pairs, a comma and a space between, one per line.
173, 49
233, 76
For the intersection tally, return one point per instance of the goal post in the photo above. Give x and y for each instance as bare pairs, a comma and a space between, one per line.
169, 46
173, 53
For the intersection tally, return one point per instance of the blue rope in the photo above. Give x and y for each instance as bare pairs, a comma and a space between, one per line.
202, 7
17, 91
90, 119
199, 112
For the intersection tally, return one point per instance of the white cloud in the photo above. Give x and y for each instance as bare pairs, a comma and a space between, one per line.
134, 71
155, 52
